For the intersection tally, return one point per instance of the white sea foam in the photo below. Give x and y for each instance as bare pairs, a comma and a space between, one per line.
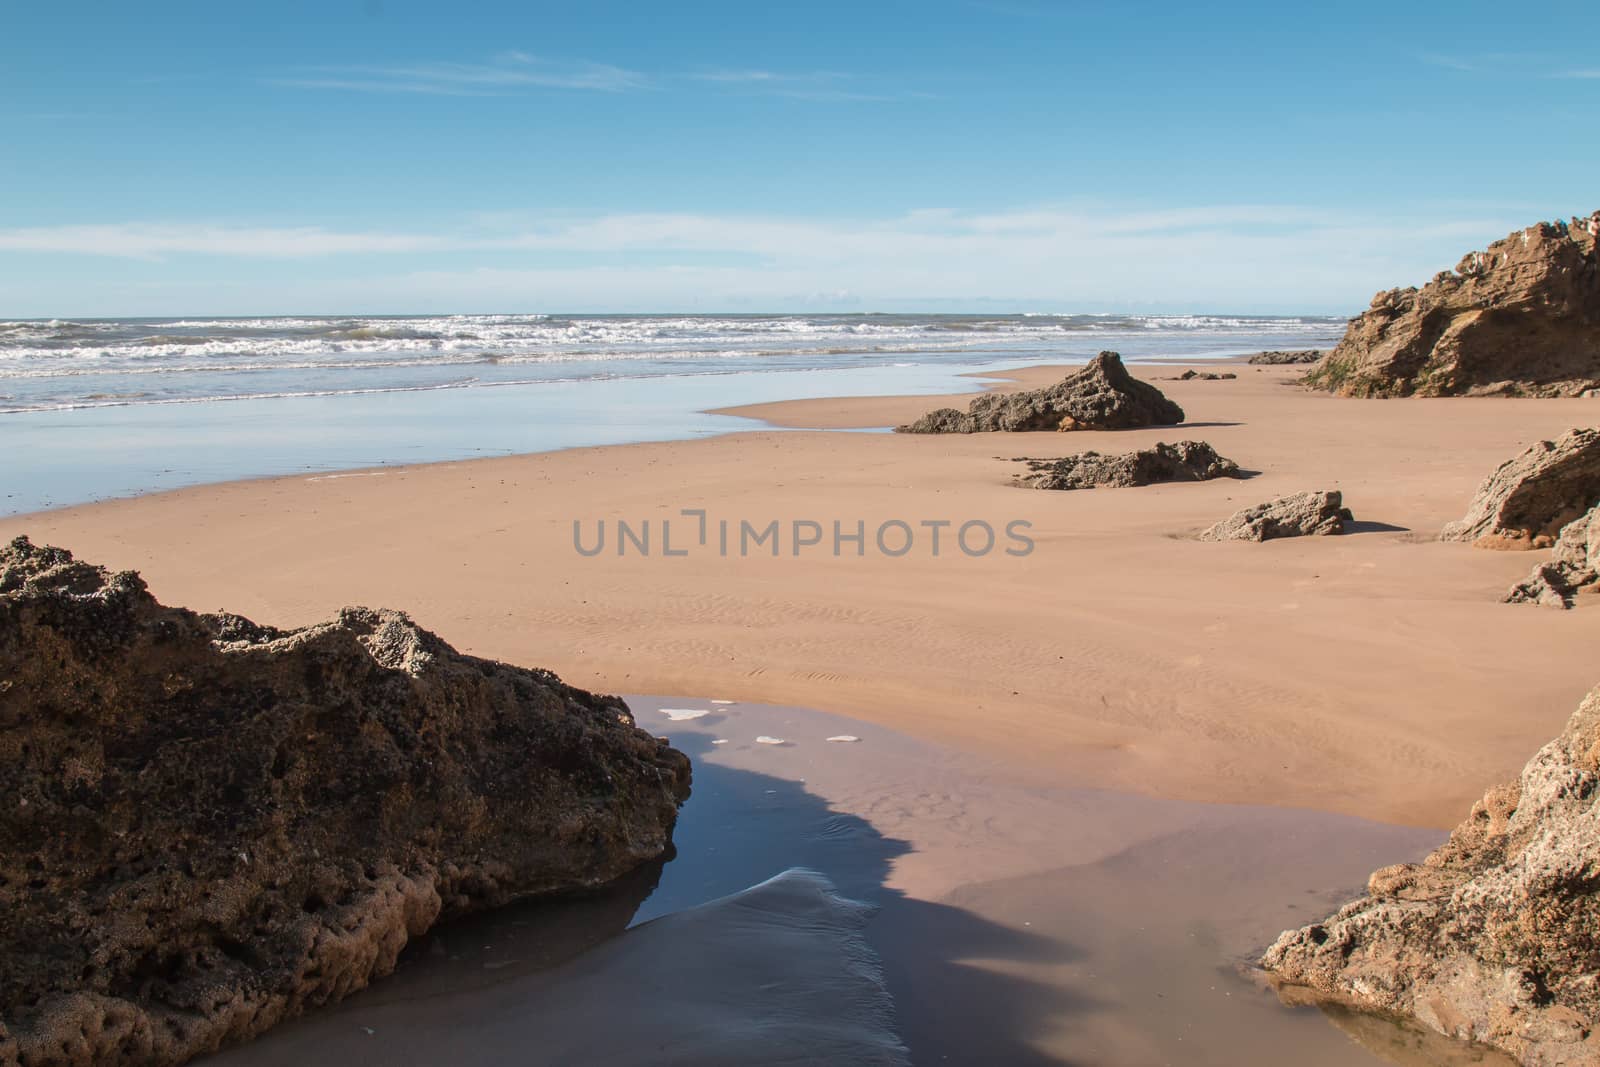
62, 364
684, 714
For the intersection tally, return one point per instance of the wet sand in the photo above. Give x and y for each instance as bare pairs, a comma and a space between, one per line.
1375, 674
1015, 925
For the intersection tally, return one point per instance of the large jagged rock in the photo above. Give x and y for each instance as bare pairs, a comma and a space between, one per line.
1495, 937
1529, 498
1310, 514
1520, 319
208, 826
1276, 358
1101, 396
1574, 567
1186, 461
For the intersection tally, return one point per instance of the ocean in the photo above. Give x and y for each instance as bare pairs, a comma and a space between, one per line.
94, 408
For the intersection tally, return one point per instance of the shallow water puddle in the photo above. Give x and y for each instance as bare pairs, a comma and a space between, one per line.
1016, 925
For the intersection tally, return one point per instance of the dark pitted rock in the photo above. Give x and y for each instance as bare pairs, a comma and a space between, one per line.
1495, 937
209, 826
1311, 514
1528, 499
1101, 396
1276, 358
1186, 461
1574, 567
1520, 319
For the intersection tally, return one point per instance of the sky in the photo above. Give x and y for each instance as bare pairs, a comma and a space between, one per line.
379, 156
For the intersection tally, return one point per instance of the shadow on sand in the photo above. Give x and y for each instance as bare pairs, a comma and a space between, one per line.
1362, 526
527, 983
942, 964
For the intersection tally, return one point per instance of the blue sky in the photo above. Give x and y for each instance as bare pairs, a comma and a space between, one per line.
381, 156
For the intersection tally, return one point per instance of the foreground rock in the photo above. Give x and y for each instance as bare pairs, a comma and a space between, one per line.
1495, 937
1186, 461
1306, 355
210, 826
1312, 514
1574, 567
1528, 499
1101, 396
1520, 319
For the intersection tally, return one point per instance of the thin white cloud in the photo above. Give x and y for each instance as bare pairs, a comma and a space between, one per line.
379, 85
1040, 236
515, 72
1083, 258
1529, 65
767, 77
1448, 62
824, 86
157, 241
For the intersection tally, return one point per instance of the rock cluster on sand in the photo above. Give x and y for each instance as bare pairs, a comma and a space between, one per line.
1308, 514
1186, 461
1529, 498
210, 826
1101, 396
1306, 355
1574, 567
1520, 319
1204, 376
1495, 937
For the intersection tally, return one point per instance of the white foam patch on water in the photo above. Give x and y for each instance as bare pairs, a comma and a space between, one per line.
683, 714
347, 474
844, 737
765, 740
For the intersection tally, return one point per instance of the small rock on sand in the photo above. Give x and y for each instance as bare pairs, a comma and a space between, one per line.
1275, 358
1309, 514
1186, 461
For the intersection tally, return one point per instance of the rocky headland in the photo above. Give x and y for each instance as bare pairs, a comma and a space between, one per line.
211, 826
1101, 396
1521, 318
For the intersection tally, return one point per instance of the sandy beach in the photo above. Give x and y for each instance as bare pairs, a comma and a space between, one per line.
993, 533
1375, 674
